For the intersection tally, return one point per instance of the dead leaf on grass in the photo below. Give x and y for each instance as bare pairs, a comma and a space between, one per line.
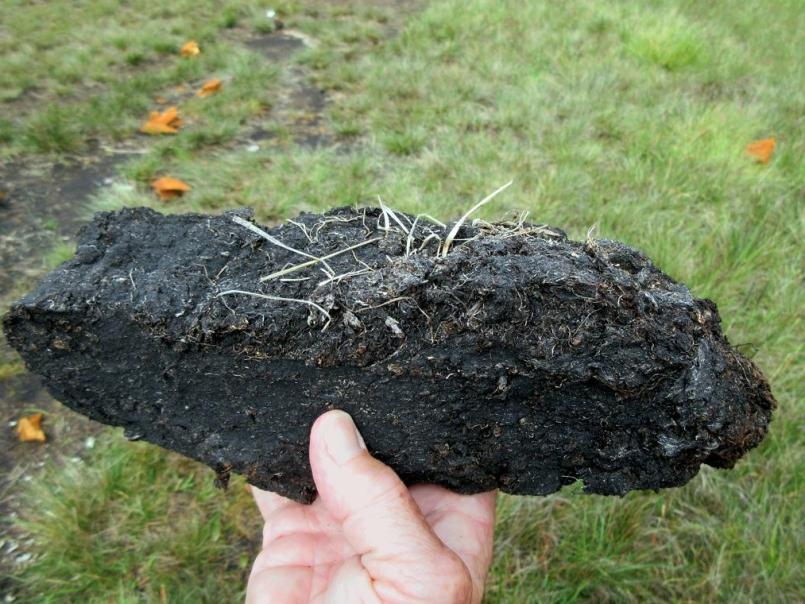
762, 150
190, 49
29, 428
167, 122
169, 188
210, 87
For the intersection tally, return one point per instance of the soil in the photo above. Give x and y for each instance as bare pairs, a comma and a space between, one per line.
516, 359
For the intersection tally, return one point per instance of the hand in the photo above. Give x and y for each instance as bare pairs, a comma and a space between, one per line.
368, 538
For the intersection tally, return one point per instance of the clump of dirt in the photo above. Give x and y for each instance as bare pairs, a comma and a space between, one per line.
516, 359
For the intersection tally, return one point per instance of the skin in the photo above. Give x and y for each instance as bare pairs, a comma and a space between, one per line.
369, 539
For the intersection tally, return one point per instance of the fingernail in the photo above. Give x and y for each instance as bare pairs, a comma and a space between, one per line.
341, 437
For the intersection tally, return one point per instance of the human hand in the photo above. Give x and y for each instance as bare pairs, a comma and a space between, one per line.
368, 538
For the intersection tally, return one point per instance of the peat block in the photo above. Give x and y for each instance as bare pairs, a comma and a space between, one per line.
517, 359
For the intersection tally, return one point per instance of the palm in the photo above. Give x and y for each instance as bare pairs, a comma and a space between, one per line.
308, 558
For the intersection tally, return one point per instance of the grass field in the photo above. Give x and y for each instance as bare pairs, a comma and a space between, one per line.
629, 116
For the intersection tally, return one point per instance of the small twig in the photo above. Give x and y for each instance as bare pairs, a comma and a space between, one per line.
277, 298
302, 265
255, 229
454, 231
428, 238
385, 214
359, 261
410, 237
432, 219
329, 220
410, 240
394, 216
343, 276
387, 302
302, 228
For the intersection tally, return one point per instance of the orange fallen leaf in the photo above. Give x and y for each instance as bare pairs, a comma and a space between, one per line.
167, 122
152, 127
169, 116
762, 150
169, 188
190, 49
210, 87
29, 429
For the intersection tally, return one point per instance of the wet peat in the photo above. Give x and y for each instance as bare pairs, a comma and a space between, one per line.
518, 360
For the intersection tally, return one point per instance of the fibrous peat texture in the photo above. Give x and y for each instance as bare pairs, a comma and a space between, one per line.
516, 359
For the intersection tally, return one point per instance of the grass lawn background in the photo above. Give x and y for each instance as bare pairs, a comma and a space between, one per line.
632, 117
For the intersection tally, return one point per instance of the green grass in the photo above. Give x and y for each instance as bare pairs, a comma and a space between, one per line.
10, 368
131, 524
73, 71
629, 116
60, 252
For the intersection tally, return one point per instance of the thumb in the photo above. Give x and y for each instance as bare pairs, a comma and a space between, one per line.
378, 516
